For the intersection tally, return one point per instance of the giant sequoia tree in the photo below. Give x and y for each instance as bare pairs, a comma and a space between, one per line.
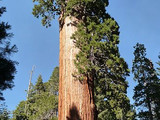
88, 53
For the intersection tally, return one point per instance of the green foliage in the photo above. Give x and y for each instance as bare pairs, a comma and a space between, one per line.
44, 107
97, 39
4, 113
42, 102
39, 87
19, 113
111, 102
53, 83
147, 91
47, 9
7, 66
31, 92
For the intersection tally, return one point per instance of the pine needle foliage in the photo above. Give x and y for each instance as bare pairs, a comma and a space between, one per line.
19, 113
7, 66
53, 83
39, 87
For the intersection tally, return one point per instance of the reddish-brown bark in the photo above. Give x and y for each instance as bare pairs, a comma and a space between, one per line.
75, 98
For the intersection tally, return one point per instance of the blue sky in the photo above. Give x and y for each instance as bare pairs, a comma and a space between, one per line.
138, 21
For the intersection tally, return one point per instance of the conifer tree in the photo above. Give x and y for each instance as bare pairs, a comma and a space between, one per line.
19, 113
53, 87
146, 92
7, 66
89, 54
42, 102
28, 110
4, 112
39, 87
54, 81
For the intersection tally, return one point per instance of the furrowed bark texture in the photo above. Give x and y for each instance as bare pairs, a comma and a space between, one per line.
75, 97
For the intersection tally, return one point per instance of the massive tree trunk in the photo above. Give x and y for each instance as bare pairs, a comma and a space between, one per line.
75, 98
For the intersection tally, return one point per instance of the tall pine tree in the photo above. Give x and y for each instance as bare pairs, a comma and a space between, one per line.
146, 92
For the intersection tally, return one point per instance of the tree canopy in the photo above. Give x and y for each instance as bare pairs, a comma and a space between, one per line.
48, 9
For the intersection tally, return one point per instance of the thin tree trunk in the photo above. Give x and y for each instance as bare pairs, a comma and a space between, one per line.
150, 109
75, 98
